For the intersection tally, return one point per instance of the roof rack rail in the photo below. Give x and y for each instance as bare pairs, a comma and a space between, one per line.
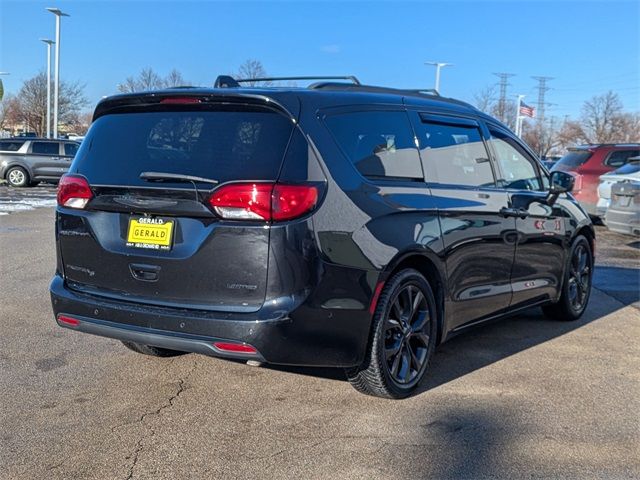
374, 89
229, 82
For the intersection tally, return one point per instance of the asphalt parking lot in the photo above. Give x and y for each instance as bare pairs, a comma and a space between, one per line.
522, 398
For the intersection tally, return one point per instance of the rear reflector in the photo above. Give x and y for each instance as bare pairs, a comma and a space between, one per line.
73, 191
70, 321
235, 347
263, 201
376, 296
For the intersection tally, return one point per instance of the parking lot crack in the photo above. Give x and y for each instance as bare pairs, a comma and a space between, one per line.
150, 431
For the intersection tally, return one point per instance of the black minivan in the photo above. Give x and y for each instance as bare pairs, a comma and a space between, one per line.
337, 225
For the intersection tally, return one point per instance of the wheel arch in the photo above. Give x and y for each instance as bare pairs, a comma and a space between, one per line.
18, 163
430, 266
589, 232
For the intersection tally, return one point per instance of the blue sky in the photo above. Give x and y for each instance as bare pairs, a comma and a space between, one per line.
587, 46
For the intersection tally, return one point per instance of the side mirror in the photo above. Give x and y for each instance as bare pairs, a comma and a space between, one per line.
561, 182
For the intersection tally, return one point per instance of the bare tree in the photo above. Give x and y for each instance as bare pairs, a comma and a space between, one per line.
630, 128
174, 79
485, 99
31, 105
252, 69
148, 79
542, 137
602, 119
570, 134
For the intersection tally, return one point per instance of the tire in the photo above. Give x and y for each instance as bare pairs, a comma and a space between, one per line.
576, 286
18, 177
151, 350
414, 331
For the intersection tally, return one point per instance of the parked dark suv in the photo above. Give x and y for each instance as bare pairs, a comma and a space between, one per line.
336, 225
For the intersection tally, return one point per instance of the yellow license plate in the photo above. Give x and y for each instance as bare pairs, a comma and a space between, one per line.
147, 232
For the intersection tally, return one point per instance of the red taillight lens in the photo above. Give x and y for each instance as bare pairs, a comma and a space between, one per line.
74, 191
263, 201
69, 321
292, 201
243, 201
235, 347
577, 184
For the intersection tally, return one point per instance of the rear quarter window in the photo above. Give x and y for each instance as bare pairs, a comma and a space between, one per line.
620, 157
11, 145
244, 144
380, 144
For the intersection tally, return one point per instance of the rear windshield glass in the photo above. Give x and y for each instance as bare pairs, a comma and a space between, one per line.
573, 159
220, 145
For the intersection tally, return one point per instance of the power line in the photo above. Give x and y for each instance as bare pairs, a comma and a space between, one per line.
542, 89
502, 102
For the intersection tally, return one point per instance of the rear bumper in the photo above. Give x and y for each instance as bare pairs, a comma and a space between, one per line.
304, 337
627, 222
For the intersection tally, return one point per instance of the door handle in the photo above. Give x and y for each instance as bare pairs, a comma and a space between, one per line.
514, 212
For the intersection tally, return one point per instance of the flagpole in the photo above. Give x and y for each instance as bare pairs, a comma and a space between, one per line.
518, 117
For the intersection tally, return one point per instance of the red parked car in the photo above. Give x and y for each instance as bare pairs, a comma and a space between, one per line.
588, 162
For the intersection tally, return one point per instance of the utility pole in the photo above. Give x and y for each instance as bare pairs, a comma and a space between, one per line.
542, 88
56, 92
502, 102
49, 43
438, 66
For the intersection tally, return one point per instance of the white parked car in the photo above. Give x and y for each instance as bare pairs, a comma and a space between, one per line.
627, 173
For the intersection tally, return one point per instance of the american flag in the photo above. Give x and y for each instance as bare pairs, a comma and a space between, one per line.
527, 111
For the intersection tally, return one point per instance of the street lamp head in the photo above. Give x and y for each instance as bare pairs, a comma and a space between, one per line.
5, 73
58, 12
439, 64
47, 41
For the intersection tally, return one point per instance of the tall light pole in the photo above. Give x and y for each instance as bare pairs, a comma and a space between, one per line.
56, 92
438, 66
49, 43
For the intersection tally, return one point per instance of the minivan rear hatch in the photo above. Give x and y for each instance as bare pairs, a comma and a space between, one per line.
157, 240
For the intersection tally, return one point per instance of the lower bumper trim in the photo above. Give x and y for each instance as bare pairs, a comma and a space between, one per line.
147, 336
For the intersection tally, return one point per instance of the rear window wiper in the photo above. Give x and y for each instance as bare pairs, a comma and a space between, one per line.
174, 177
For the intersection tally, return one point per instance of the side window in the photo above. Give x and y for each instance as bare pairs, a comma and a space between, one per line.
517, 168
45, 148
11, 146
620, 157
454, 155
70, 149
379, 143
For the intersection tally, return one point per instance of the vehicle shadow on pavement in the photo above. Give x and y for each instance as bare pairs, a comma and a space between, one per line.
495, 341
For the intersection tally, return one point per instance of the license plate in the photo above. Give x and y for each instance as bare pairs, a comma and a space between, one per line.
623, 201
147, 232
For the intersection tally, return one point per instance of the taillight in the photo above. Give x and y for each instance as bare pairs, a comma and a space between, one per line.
263, 201
577, 184
292, 201
74, 191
